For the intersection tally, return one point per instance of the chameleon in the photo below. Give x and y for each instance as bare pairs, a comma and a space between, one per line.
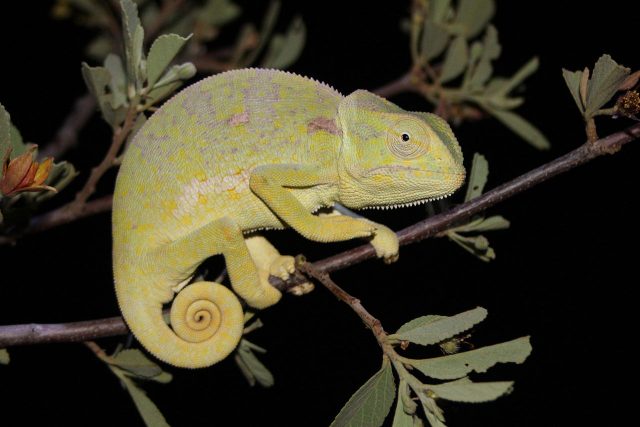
250, 150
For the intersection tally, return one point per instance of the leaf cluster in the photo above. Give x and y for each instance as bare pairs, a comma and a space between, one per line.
416, 399
24, 182
468, 235
458, 65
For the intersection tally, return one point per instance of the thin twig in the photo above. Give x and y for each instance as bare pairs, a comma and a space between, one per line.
369, 320
119, 137
82, 331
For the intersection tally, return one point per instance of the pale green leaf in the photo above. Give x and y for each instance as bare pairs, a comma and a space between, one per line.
133, 40
118, 81
480, 360
446, 327
434, 40
401, 418
369, 406
159, 93
477, 177
218, 12
474, 15
455, 61
521, 127
4, 355
135, 362
463, 390
572, 79
97, 79
252, 368
5, 135
162, 52
431, 409
475, 245
502, 102
419, 322
148, 410
439, 10
490, 51
495, 222
525, 71
99, 47
605, 80
285, 50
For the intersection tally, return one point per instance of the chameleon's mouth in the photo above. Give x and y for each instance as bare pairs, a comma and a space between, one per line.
413, 203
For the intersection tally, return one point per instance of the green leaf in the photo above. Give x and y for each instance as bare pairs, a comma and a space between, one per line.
218, 12
431, 409
159, 93
434, 40
419, 322
480, 360
439, 9
438, 330
521, 127
148, 410
135, 363
97, 79
525, 71
490, 51
474, 15
401, 418
476, 245
133, 39
285, 50
481, 224
477, 176
162, 52
455, 61
4, 354
5, 136
118, 81
572, 79
463, 390
99, 47
250, 366
605, 80
369, 406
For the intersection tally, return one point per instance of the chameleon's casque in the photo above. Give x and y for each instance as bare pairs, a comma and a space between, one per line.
247, 150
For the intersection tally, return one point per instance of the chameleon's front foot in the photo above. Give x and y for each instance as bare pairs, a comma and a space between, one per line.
386, 244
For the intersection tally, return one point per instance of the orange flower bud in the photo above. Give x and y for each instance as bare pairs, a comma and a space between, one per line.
25, 174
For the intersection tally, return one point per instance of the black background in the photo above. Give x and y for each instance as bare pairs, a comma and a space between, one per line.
564, 272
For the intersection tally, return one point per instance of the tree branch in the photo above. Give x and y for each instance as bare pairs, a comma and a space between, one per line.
430, 227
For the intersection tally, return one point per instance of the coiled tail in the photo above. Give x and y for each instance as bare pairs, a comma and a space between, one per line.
206, 323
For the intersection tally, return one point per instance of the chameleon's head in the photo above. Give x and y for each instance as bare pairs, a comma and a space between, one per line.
390, 157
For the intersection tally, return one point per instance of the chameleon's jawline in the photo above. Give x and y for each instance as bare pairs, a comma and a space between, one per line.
407, 204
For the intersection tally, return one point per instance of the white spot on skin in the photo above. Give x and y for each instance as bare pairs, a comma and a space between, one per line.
214, 185
239, 119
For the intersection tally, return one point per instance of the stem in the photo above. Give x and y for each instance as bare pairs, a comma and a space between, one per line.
119, 137
82, 331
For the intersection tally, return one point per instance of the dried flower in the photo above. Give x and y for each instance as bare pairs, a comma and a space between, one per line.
25, 174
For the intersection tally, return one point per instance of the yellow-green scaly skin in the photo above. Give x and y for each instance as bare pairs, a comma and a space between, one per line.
247, 150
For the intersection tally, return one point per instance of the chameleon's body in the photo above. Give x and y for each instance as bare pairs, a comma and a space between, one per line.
247, 150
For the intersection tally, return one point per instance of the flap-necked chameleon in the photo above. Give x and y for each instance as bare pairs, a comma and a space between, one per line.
244, 151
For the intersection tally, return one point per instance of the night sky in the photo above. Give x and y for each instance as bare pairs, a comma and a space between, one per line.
563, 273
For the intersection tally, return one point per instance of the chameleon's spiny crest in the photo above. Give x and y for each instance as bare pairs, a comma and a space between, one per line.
244, 151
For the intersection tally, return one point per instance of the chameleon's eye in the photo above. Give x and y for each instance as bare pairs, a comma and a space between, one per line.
409, 138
